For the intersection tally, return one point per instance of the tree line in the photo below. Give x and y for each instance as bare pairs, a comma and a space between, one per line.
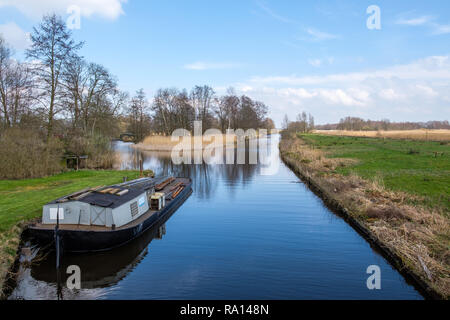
172, 108
359, 124
57, 103
304, 123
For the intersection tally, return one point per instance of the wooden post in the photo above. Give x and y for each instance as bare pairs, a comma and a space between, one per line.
141, 167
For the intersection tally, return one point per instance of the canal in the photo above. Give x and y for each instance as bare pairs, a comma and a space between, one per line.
246, 232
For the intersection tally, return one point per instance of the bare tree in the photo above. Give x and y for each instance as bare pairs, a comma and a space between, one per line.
310, 122
261, 110
268, 124
89, 87
351, 123
222, 111
164, 107
228, 110
248, 118
185, 113
5, 79
385, 124
97, 88
52, 48
302, 121
285, 123
15, 86
172, 109
75, 78
201, 99
138, 113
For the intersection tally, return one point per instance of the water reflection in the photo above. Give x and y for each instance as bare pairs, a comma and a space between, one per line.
203, 174
40, 280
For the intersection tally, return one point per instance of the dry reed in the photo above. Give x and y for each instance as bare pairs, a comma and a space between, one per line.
165, 143
421, 134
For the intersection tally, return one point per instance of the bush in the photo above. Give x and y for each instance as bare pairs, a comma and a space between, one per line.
24, 154
96, 147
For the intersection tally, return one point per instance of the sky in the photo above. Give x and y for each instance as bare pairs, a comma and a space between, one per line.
314, 56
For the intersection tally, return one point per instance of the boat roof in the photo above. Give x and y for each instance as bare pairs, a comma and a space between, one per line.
107, 200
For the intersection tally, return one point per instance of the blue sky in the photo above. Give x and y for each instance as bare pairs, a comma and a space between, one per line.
316, 56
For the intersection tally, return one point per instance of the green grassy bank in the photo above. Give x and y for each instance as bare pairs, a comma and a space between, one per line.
396, 192
420, 168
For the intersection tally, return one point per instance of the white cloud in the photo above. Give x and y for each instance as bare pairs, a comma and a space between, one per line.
418, 21
339, 97
317, 35
438, 29
110, 9
441, 29
300, 93
200, 66
320, 62
434, 67
416, 91
390, 94
426, 90
15, 36
315, 62
273, 14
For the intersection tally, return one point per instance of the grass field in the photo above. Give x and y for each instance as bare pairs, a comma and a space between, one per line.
417, 167
420, 134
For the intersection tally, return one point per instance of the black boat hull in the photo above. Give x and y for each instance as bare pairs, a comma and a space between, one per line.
92, 241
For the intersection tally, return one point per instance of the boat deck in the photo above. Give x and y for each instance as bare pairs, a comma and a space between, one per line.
78, 227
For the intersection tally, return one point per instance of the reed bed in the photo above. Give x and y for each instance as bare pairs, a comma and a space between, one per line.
421, 134
165, 143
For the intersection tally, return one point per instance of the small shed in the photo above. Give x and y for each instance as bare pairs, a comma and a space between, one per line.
75, 161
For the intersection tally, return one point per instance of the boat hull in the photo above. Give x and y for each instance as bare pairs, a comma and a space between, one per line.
92, 241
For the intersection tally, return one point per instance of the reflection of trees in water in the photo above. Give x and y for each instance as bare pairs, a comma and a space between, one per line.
203, 175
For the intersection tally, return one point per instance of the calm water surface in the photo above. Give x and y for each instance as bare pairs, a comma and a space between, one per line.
241, 235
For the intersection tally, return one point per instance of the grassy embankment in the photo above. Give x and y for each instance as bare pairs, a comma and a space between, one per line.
22, 201
397, 189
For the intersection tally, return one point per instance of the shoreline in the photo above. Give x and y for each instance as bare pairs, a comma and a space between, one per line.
8, 279
335, 205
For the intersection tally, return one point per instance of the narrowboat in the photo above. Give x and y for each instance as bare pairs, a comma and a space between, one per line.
99, 219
